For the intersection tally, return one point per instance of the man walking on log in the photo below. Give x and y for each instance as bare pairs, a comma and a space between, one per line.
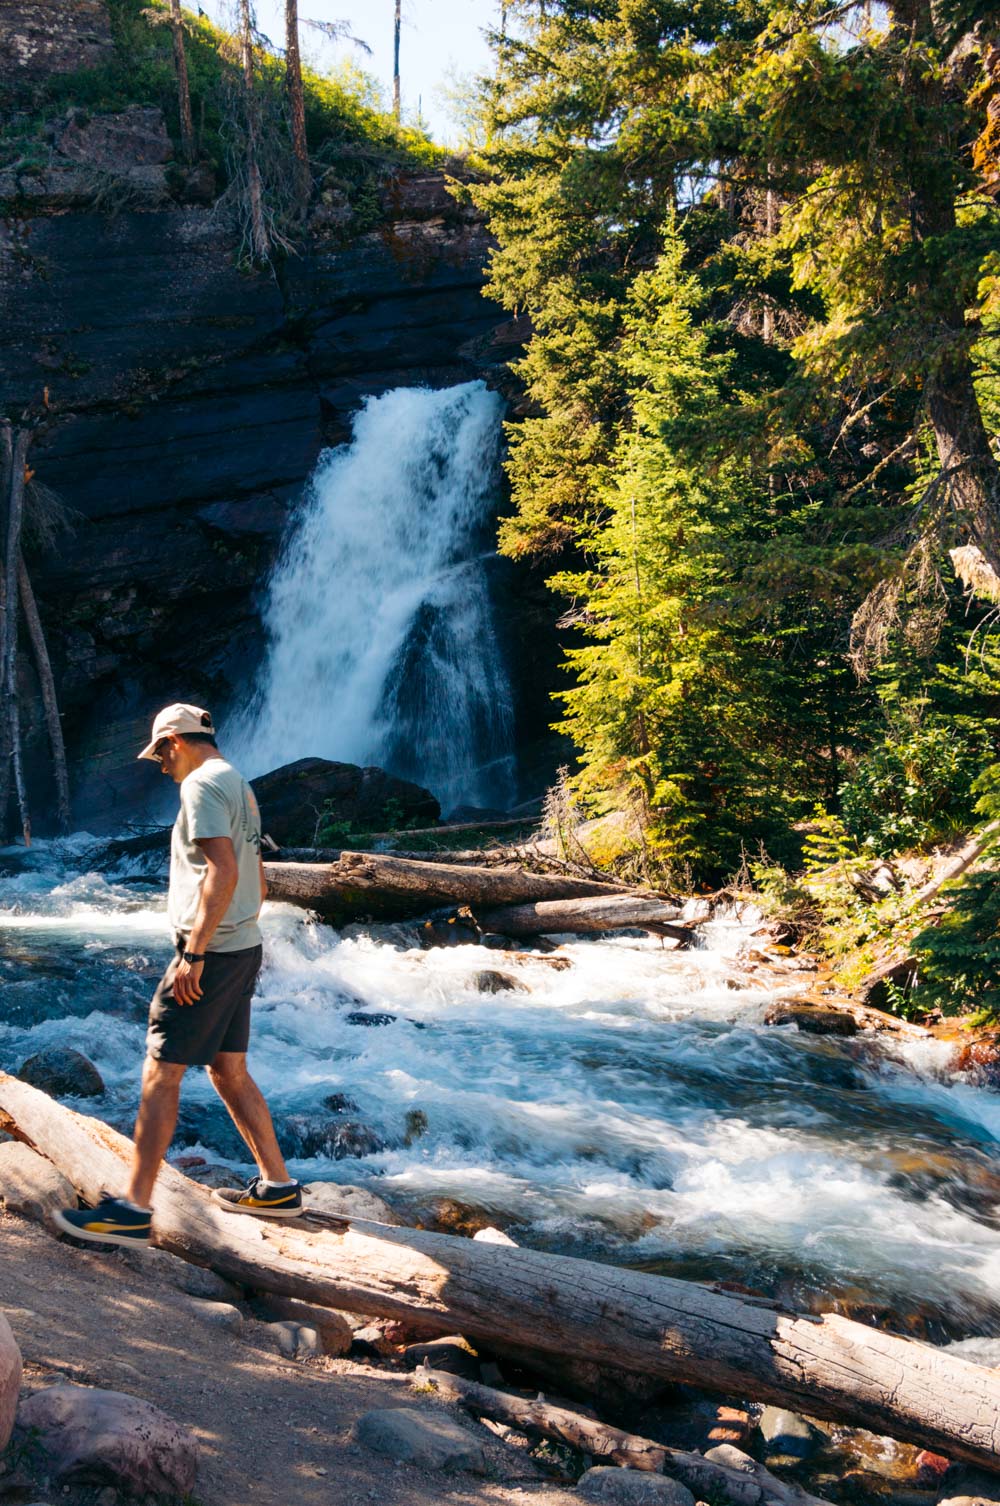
200, 1014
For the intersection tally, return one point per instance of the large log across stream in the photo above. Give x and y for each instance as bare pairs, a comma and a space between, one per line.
827, 1367
392, 888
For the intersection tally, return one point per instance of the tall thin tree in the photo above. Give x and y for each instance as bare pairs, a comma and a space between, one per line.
183, 86
397, 27
296, 103
260, 243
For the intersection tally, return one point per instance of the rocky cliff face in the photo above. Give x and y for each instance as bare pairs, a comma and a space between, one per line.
190, 399
39, 37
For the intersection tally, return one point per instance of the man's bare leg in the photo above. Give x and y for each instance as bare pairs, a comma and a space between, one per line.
154, 1127
250, 1113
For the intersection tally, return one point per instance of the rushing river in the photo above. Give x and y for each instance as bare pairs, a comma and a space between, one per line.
630, 1106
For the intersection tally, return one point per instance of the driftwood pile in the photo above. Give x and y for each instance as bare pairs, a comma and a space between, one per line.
829, 1367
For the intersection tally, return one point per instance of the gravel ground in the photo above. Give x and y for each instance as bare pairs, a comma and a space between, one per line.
273, 1432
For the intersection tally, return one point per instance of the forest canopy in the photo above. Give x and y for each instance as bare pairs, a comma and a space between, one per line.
759, 245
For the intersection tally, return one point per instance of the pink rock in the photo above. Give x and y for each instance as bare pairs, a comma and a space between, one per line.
10, 1381
95, 1437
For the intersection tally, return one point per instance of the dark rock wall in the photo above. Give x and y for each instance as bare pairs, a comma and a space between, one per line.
38, 37
190, 400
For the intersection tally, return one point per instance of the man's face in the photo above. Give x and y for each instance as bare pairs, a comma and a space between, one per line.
169, 754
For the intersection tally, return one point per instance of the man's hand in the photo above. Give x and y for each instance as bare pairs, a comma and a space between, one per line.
187, 982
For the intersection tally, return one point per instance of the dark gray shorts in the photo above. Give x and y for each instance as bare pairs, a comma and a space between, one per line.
192, 1035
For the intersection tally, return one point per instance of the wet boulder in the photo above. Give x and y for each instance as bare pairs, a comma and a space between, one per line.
981, 1059
338, 1139
63, 1073
488, 981
299, 799
811, 1018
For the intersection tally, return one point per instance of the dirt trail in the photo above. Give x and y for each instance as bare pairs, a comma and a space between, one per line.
272, 1431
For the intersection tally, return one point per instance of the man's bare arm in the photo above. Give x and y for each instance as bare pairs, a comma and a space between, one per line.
263, 882
216, 893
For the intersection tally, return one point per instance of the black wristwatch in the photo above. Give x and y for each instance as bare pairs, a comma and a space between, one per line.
192, 957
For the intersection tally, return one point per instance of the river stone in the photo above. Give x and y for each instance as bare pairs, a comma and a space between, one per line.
632, 1487
489, 982
349, 1202
431, 1440
491, 1236
334, 1333
63, 1073
787, 1433
811, 1018
10, 1381
96, 1437
368, 799
31, 1185
218, 1314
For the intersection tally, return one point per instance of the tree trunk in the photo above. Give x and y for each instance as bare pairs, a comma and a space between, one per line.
397, 27
610, 912
6, 464
11, 711
968, 853
705, 1474
183, 87
50, 701
388, 887
297, 104
827, 1367
260, 244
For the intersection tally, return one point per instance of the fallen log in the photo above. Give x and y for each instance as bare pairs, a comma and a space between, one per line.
393, 888
604, 1443
606, 912
829, 1367
744, 1482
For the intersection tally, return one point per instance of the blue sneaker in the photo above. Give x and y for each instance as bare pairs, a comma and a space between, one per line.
263, 1202
112, 1222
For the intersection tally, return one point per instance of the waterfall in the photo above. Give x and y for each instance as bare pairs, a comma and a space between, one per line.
381, 643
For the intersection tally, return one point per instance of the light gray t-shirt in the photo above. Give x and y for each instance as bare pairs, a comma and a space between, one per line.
216, 801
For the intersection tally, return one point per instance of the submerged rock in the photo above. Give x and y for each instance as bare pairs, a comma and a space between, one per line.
787, 1434
96, 1437
489, 982
812, 1018
63, 1073
340, 1103
303, 1137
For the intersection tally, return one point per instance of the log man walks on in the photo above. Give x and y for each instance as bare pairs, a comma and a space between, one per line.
200, 1014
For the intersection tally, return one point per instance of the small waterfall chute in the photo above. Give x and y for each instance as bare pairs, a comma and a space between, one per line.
382, 646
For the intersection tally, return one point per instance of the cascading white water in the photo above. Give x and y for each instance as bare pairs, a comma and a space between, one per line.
381, 644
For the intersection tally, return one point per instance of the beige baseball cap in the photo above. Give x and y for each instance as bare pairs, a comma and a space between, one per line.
177, 718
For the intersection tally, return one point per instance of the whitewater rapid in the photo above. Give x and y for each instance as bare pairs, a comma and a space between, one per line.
630, 1105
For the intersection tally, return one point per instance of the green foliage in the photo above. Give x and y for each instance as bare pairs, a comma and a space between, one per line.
913, 788
735, 407
959, 949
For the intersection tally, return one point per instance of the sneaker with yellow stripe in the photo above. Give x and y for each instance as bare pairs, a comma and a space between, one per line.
112, 1222
263, 1199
